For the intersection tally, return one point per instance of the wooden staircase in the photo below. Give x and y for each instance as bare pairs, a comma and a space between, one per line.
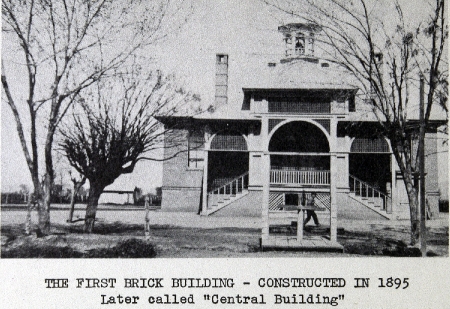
370, 197
226, 194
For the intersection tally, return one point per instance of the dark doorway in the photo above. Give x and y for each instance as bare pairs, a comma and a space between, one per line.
373, 168
224, 166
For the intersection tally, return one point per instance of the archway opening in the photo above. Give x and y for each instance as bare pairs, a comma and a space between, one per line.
370, 161
299, 136
228, 158
300, 147
299, 177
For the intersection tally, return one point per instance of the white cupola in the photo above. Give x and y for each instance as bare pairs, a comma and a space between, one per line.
299, 39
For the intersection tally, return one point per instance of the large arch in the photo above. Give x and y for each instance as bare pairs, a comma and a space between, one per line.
299, 136
300, 148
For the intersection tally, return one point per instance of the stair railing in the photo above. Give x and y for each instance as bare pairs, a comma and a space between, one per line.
231, 188
365, 190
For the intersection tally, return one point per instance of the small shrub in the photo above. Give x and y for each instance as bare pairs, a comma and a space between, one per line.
402, 252
100, 253
130, 248
46, 251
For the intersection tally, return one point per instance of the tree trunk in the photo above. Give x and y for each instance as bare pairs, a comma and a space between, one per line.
44, 207
75, 189
413, 209
72, 206
91, 208
28, 218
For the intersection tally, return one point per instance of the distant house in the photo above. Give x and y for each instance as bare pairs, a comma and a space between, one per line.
292, 135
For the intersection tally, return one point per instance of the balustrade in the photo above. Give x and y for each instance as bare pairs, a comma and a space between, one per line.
286, 177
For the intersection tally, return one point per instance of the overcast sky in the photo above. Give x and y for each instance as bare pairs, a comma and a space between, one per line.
231, 26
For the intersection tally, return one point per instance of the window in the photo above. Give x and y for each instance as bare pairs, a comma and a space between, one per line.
288, 42
229, 141
311, 44
299, 105
300, 44
369, 145
195, 149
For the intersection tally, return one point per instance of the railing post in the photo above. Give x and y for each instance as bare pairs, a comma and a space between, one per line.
388, 205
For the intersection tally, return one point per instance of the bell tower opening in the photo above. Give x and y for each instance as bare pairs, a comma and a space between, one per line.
299, 39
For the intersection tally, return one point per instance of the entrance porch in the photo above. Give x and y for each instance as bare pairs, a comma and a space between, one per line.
299, 185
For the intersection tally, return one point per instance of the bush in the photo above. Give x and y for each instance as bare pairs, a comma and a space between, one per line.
130, 248
45, 251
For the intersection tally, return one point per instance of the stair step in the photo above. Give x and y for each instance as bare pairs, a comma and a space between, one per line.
370, 204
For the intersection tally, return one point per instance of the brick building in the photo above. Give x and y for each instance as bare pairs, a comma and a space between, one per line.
293, 135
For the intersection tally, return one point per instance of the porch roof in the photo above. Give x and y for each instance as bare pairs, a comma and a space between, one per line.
364, 127
213, 118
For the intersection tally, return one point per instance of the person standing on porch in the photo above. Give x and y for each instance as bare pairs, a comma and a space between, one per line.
310, 202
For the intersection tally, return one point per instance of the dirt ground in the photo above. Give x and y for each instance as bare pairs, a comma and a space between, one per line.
181, 235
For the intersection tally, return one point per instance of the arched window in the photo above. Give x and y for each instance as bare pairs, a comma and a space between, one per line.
300, 44
227, 140
369, 145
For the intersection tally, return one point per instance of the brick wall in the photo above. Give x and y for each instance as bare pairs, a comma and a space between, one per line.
181, 189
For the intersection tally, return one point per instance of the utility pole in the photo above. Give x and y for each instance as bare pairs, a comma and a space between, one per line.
422, 201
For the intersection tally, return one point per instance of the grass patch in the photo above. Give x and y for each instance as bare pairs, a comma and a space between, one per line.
116, 239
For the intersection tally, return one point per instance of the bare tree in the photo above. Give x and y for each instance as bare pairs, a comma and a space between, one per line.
24, 190
386, 55
52, 50
116, 128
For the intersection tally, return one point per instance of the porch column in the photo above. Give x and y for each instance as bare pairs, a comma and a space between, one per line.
207, 138
333, 178
205, 185
265, 173
265, 199
333, 196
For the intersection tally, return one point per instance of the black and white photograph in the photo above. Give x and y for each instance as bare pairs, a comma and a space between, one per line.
247, 137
